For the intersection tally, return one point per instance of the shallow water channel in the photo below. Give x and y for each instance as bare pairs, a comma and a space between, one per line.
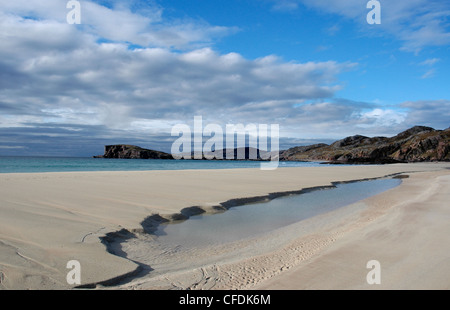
254, 219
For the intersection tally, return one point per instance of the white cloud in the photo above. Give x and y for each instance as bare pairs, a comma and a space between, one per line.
417, 23
285, 5
333, 30
429, 74
433, 113
430, 62
145, 27
382, 117
11, 147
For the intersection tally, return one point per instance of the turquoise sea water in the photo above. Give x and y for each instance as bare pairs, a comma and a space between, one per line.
65, 164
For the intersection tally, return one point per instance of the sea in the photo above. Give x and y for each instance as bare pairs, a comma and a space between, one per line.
17, 164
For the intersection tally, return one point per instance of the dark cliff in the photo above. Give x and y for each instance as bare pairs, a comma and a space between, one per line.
132, 152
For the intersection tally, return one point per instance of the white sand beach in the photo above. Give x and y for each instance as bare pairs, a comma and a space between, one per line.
48, 219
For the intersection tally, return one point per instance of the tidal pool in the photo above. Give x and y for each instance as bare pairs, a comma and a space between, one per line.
258, 218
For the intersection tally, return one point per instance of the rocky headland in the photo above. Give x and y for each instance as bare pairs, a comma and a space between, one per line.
417, 144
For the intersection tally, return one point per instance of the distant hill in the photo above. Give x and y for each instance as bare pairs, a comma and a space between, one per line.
416, 144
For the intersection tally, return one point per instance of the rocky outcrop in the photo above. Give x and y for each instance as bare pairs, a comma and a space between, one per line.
132, 152
293, 152
416, 144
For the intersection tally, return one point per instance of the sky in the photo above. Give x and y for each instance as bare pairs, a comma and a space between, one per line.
132, 70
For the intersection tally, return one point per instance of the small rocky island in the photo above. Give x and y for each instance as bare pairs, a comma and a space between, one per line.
132, 152
417, 144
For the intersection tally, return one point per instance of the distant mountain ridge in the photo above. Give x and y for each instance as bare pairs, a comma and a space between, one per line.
417, 144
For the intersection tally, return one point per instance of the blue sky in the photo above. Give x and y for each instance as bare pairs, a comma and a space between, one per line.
133, 69
301, 33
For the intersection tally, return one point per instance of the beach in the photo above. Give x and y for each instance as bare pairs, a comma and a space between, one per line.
49, 219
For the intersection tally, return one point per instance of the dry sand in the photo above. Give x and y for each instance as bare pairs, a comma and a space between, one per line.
47, 219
